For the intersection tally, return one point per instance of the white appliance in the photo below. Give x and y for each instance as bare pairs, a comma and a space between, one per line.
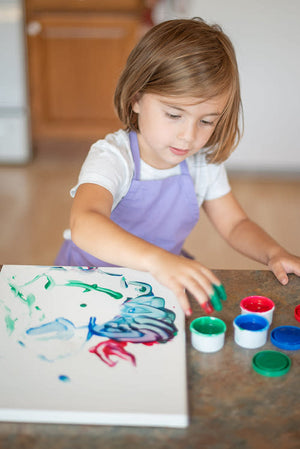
14, 112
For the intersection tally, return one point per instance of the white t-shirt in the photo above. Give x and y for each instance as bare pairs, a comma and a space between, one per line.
109, 164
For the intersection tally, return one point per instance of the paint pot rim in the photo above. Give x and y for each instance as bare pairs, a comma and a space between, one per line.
204, 320
257, 304
253, 318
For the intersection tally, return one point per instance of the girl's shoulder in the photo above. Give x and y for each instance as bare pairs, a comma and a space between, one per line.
109, 164
115, 144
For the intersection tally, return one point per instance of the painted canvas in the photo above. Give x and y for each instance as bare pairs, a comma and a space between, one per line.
90, 346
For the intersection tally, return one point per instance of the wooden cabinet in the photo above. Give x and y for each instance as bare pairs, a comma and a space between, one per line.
76, 51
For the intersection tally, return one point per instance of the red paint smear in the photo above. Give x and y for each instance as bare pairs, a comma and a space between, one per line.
108, 348
150, 343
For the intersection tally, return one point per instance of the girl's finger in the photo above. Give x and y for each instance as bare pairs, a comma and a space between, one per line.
221, 291
210, 275
200, 288
207, 307
215, 301
183, 300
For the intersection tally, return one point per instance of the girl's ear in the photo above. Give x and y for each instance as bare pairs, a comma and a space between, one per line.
136, 103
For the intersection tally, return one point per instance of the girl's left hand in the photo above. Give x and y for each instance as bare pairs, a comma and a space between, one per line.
283, 264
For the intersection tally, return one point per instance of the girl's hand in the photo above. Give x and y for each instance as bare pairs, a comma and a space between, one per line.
94, 231
180, 275
284, 263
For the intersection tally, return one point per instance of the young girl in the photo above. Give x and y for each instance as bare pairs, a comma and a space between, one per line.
140, 189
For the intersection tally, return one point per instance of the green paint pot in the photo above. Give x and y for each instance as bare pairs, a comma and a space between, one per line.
208, 334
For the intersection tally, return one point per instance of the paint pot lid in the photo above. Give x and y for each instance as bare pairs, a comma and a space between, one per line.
271, 363
286, 337
297, 312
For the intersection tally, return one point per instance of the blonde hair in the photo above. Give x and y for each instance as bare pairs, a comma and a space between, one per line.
185, 57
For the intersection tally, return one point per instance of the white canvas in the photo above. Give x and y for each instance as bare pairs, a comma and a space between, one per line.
90, 346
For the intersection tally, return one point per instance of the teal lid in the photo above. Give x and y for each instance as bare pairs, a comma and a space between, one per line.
271, 363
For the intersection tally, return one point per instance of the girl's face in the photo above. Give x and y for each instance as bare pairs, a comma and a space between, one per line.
173, 128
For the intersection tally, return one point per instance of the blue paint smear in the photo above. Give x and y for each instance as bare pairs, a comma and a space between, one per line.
61, 329
64, 378
141, 320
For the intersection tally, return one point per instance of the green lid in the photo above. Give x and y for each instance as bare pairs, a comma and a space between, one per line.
271, 363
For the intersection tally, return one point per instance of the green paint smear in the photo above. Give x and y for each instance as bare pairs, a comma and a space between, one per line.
10, 324
49, 284
87, 287
95, 287
29, 300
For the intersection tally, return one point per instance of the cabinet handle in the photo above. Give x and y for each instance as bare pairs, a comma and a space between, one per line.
34, 28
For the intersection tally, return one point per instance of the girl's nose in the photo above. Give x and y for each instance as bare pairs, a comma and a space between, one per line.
187, 133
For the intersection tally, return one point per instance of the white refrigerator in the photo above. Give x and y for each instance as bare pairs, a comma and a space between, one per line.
15, 144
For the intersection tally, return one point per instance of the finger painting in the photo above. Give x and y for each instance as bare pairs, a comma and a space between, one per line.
90, 345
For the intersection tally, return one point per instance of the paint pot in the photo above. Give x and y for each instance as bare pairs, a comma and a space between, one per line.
250, 330
260, 305
297, 312
208, 334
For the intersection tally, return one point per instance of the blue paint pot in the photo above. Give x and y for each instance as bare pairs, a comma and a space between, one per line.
250, 330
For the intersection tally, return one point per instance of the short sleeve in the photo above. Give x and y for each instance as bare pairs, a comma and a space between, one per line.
108, 164
219, 184
210, 180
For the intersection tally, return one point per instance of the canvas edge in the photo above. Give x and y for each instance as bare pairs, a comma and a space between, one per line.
89, 418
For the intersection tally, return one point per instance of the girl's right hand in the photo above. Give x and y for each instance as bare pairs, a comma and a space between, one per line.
182, 275
94, 231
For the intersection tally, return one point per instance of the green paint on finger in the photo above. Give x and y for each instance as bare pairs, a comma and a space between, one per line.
221, 291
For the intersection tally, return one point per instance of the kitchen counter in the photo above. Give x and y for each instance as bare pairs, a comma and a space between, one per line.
230, 405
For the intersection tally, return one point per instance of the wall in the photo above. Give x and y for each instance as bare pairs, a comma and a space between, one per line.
266, 36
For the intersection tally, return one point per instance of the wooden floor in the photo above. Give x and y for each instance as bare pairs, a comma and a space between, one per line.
35, 205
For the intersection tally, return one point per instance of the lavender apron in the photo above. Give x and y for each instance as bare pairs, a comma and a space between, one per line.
161, 211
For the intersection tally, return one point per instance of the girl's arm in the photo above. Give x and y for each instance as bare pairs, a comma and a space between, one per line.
94, 231
248, 238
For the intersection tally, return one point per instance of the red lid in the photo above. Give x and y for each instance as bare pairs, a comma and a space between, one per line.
297, 312
257, 304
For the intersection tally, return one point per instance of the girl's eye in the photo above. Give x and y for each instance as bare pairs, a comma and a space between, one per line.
172, 116
207, 123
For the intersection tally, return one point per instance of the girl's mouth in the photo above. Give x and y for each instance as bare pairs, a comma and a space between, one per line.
179, 152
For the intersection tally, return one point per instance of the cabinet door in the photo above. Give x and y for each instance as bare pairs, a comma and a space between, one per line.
74, 64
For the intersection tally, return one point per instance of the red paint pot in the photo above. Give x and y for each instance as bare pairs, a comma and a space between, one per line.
260, 305
297, 312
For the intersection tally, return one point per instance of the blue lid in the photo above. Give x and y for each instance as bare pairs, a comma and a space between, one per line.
286, 337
